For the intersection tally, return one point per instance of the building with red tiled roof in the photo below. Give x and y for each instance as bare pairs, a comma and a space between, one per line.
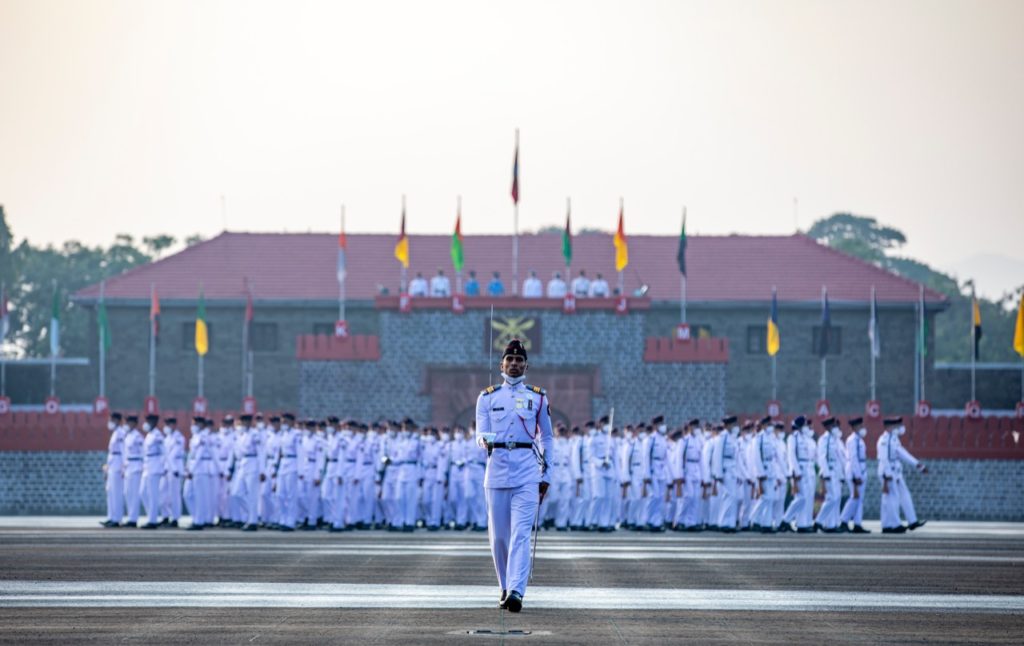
430, 361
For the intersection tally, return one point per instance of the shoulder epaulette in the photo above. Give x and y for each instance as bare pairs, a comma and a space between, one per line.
536, 389
490, 389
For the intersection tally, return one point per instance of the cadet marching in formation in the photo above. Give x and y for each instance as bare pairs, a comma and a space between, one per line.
280, 473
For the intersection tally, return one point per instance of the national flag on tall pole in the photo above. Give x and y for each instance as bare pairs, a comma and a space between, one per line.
621, 245
975, 322
402, 246
773, 340
457, 257
681, 254
567, 236
249, 312
55, 323
876, 348
202, 331
342, 248
154, 313
102, 322
1018, 332
826, 324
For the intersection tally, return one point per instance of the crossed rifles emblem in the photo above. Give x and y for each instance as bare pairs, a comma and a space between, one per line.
513, 327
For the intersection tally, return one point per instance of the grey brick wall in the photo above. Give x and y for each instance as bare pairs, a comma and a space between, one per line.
56, 482
413, 343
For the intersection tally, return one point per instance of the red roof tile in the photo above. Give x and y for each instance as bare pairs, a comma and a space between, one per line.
286, 266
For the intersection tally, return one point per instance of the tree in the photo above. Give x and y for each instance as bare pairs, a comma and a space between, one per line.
857, 235
194, 239
156, 244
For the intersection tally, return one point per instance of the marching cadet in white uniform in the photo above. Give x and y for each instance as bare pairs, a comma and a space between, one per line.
782, 472
633, 478
801, 453
114, 470
560, 494
389, 476
134, 453
769, 485
603, 476
407, 462
895, 494
745, 473
856, 472
514, 425
434, 467
154, 466
690, 451
656, 476
830, 468
724, 470
457, 492
271, 453
580, 469
709, 487
174, 450
248, 474
203, 472
288, 474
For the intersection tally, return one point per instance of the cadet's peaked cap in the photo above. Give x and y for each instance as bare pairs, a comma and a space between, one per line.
115, 415
765, 420
779, 425
310, 423
660, 419
289, 416
855, 421
748, 425
228, 419
693, 422
132, 418
408, 421
799, 421
274, 419
152, 419
893, 421
198, 419
259, 415
514, 349
731, 419
171, 420
245, 417
590, 424
604, 420
333, 419
828, 421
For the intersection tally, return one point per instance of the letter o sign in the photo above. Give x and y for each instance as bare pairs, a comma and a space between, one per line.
51, 406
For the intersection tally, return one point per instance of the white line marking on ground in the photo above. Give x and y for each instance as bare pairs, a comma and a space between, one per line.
167, 594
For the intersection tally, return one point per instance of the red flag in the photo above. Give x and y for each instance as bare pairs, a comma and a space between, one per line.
248, 306
154, 312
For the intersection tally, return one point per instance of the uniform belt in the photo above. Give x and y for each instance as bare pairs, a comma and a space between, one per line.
311, 459
205, 458
693, 461
334, 460
249, 455
135, 459
483, 464
352, 461
288, 456
153, 455
115, 453
406, 462
512, 445
366, 464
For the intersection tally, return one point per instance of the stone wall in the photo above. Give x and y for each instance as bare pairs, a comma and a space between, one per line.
70, 482
413, 344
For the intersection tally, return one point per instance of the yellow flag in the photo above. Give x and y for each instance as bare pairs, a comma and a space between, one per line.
202, 333
402, 246
621, 247
1018, 335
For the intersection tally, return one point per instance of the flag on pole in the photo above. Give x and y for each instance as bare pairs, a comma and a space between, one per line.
773, 327
5, 314
876, 348
621, 246
342, 248
975, 323
55, 323
1018, 333
402, 246
681, 254
922, 340
567, 237
202, 332
457, 258
103, 323
826, 325
248, 307
154, 312
515, 172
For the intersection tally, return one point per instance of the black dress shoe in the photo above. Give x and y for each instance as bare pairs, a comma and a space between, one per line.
768, 530
917, 523
149, 526
894, 530
108, 523
502, 600
173, 523
857, 529
287, 529
249, 528
804, 530
194, 528
514, 601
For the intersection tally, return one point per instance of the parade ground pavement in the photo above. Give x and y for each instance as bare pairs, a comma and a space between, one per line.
66, 580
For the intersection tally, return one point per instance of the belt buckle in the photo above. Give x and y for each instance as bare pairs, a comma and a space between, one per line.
510, 445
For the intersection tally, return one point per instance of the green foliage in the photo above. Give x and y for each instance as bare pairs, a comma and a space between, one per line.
864, 238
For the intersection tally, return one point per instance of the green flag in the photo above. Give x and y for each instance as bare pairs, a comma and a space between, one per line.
457, 258
567, 242
681, 254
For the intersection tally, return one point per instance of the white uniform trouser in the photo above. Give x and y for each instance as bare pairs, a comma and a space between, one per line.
335, 501
132, 484
203, 494
408, 502
433, 500
853, 510
389, 497
746, 502
511, 513
115, 495
828, 515
602, 492
689, 510
729, 490
365, 494
266, 503
172, 489
897, 498
245, 494
762, 511
476, 503
287, 498
801, 509
151, 495
580, 503
559, 496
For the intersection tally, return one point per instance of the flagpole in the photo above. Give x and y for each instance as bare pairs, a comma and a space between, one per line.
404, 273
152, 342
874, 340
341, 283
824, 355
103, 349
775, 389
622, 289
245, 338
458, 221
924, 341
515, 227
200, 377
3, 335
974, 342
53, 351
682, 287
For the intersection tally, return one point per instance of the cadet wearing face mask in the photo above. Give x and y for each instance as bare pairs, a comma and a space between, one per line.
895, 494
174, 449
656, 476
603, 476
134, 453
856, 469
800, 450
830, 467
724, 468
113, 470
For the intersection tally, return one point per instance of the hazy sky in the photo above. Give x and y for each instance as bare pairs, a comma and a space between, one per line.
136, 116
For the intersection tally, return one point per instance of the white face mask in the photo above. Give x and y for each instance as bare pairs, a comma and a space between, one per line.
194, 429
460, 436
390, 433
735, 430
261, 425
111, 426
835, 432
862, 432
446, 437
146, 427
512, 381
901, 430
807, 431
